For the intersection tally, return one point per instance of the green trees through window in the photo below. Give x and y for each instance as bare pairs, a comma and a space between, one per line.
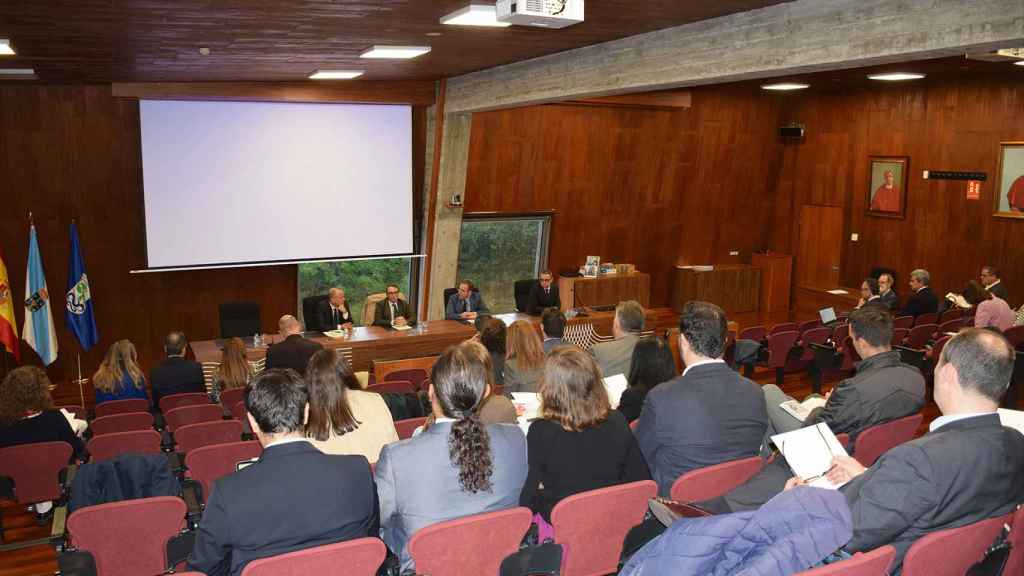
358, 278
495, 252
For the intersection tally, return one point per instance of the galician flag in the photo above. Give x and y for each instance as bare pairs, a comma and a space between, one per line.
38, 330
78, 311
8, 325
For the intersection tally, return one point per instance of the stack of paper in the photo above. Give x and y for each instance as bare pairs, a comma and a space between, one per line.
615, 385
335, 334
809, 452
801, 410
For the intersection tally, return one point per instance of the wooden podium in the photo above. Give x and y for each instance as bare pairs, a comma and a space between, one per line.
734, 287
776, 274
606, 290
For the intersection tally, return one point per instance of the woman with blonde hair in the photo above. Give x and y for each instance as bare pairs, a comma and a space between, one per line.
579, 443
235, 370
119, 376
524, 358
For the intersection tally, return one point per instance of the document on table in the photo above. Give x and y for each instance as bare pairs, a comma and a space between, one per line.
801, 410
809, 452
400, 328
615, 385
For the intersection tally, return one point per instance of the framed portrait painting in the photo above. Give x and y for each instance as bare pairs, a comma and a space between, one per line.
1010, 195
887, 193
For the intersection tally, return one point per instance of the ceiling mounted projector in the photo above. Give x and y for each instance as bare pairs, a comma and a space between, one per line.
541, 13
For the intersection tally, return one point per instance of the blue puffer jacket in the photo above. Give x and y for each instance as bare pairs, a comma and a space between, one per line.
792, 532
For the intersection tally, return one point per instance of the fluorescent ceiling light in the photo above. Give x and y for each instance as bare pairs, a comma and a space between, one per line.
475, 15
17, 74
401, 52
5, 47
785, 86
335, 74
1019, 63
896, 76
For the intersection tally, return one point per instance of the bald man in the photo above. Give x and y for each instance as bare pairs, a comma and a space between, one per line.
293, 351
334, 312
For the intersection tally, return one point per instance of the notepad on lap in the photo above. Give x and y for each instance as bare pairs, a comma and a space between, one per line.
615, 385
809, 452
801, 410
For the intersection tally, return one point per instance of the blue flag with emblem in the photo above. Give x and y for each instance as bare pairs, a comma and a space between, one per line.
78, 309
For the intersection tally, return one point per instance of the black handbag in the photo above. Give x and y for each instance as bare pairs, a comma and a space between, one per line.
533, 558
996, 557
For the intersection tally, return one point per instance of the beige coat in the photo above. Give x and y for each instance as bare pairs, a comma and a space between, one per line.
376, 428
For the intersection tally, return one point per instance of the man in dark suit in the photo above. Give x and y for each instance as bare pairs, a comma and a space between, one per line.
543, 294
922, 300
886, 293
707, 416
967, 468
552, 324
869, 295
334, 311
393, 311
295, 497
176, 374
993, 283
293, 351
465, 304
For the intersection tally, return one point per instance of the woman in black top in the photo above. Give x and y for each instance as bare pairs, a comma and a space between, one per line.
652, 364
27, 414
580, 443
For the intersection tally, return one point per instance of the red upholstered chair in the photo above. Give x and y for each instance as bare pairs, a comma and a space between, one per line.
929, 318
819, 335
784, 327
230, 397
168, 403
840, 332
850, 355
779, 345
193, 414
209, 463
903, 322
937, 348
78, 411
951, 552
417, 376
898, 336
953, 326
873, 563
469, 546
756, 333
713, 481
193, 436
808, 325
951, 314
406, 427
360, 557
591, 526
126, 422
881, 438
121, 406
1015, 565
114, 444
128, 538
395, 386
920, 335
1015, 335
35, 469
238, 412
844, 439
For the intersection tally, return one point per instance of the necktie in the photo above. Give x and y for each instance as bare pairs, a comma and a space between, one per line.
336, 314
394, 311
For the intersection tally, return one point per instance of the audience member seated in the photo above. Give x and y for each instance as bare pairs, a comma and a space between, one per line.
543, 294
495, 408
524, 358
493, 334
967, 468
552, 325
393, 311
652, 364
343, 418
176, 374
990, 311
27, 414
456, 467
334, 312
990, 279
883, 389
922, 300
887, 293
579, 443
294, 497
615, 357
119, 376
708, 415
234, 371
465, 304
293, 351
869, 294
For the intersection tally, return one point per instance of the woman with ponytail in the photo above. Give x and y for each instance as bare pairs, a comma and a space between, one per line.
458, 466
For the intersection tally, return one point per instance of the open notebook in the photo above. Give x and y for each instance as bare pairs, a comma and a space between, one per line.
809, 452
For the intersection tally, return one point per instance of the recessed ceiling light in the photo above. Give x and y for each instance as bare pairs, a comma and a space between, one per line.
17, 74
5, 47
896, 76
399, 52
475, 15
785, 86
335, 74
1019, 63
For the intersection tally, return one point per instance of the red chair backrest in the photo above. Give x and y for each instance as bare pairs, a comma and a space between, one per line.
920, 335
713, 481
840, 333
469, 546
417, 376
951, 314
192, 415
756, 333
903, 322
230, 397
128, 538
114, 444
850, 355
591, 526
35, 469
874, 563
929, 318
360, 557
1015, 565
784, 327
239, 413
818, 335
121, 406
779, 345
899, 335
634, 424
395, 386
79, 412
126, 422
808, 325
406, 427
881, 438
209, 463
168, 403
953, 325
1015, 335
193, 436
951, 552
939, 345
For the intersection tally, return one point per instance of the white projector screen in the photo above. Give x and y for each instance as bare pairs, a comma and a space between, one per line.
242, 183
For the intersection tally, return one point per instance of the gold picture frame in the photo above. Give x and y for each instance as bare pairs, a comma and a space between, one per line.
1009, 184
887, 186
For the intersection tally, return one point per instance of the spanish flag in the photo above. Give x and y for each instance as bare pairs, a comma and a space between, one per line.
8, 326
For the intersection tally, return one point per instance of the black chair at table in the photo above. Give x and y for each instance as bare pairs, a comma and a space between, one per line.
239, 319
310, 304
521, 291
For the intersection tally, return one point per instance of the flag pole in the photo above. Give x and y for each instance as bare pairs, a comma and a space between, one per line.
81, 394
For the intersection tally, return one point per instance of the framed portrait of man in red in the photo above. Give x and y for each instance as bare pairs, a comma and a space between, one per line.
887, 191
1009, 201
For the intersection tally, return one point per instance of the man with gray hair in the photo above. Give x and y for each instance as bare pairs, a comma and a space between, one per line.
616, 357
292, 350
922, 300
